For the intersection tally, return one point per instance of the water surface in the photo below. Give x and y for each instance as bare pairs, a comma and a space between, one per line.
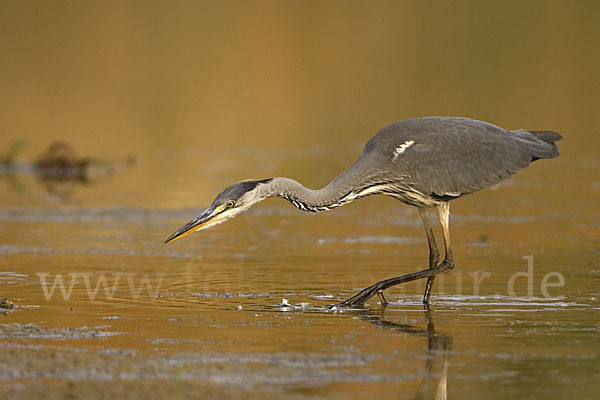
181, 101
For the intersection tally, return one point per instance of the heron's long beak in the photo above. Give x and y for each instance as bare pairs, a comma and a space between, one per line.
197, 223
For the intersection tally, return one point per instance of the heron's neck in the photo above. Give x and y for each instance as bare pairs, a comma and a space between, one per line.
335, 194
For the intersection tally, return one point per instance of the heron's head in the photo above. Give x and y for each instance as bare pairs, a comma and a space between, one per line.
230, 202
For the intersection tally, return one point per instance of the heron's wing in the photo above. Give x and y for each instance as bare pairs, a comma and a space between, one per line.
455, 156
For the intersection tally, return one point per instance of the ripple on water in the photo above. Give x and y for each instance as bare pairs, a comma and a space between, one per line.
495, 300
11, 278
34, 331
370, 239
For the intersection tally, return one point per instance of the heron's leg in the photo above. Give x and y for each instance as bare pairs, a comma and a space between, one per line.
444, 212
384, 302
378, 288
365, 294
448, 263
434, 254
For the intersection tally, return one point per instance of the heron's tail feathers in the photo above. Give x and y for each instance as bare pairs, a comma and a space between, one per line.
541, 144
547, 136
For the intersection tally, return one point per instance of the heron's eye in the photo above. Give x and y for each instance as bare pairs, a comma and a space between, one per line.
230, 204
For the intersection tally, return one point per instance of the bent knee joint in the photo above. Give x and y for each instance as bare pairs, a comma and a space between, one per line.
447, 265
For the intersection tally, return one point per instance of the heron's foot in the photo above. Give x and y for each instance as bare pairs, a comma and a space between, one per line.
377, 289
361, 297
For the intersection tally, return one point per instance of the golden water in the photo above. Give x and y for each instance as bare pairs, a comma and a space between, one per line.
204, 94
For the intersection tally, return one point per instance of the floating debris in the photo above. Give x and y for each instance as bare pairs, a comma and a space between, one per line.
285, 303
7, 304
59, 167
60, 162
287, 306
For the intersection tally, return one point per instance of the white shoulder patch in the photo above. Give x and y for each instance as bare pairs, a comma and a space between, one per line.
402, 148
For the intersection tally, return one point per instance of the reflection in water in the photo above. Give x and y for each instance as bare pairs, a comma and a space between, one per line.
434, 382
204, 92
59, 169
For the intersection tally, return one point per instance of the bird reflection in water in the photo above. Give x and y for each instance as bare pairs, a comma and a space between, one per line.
434, 381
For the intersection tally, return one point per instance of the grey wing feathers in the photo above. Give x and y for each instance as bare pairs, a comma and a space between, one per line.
455, 156
468, 160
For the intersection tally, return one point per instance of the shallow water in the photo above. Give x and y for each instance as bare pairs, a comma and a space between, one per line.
243, 309
104, 309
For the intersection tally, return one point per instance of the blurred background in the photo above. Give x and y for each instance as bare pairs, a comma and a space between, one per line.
182, 98
121, 120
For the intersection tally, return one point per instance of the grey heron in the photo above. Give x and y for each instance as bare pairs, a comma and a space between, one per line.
425, 162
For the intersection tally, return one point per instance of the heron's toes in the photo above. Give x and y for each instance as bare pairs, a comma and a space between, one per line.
356, 301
